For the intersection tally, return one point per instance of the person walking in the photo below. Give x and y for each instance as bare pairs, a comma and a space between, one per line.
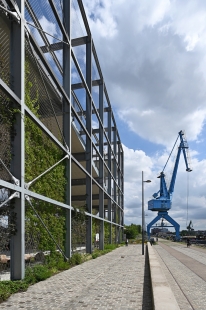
126, 242
188, 243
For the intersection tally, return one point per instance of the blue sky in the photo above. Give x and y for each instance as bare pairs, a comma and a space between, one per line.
153, 58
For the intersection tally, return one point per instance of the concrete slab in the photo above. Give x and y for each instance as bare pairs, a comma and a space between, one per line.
163, 297
182, 273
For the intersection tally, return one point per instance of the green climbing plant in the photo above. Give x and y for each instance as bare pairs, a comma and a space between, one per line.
78, 222
41, 153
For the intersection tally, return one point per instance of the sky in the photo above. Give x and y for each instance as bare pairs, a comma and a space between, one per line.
153, 58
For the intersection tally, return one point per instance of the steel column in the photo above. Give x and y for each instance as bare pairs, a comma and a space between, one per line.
119, 192
109, 122
67, 116
101, 166
122, 193
89, 145
17, 245
142, 213
115, 181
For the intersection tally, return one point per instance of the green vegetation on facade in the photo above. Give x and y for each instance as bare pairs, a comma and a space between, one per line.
40, 154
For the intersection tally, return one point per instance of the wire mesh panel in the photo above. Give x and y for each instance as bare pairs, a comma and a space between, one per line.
7, 229
78, 28
108, 228
44, 230
7, 133
95, 232
114, 234
7, 215
44, 27
4, 47
7, 119
45, 163
42, 96
6, 107
79, 221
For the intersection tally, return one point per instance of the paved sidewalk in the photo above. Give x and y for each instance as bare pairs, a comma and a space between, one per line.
117, 280
185, 270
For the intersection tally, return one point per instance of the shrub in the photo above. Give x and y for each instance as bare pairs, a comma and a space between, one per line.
110, 246
37, 273
8, 287
76, 259
95, 255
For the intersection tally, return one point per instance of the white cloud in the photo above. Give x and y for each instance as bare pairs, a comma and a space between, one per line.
152, 55
154, 64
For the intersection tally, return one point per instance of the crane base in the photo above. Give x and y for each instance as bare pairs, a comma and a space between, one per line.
164, 214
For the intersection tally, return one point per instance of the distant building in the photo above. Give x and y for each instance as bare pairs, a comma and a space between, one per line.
156, 230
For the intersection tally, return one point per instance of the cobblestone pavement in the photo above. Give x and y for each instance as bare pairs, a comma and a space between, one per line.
188, 286
117, 280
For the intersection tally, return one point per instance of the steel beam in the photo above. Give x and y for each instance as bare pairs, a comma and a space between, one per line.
79, 182
79, 156
80, 41
81, 85
9, 93
52, 47
59, 46
84, 197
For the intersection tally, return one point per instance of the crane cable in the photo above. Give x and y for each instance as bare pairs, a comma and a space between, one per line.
187, 197
170, 154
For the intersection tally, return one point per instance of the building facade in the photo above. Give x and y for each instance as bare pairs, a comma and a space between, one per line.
61, 157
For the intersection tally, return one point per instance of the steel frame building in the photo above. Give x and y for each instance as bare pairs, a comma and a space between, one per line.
87, 131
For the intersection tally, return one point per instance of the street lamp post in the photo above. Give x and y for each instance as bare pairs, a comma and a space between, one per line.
148, 181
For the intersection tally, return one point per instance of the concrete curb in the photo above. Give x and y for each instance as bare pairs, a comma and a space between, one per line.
163, 297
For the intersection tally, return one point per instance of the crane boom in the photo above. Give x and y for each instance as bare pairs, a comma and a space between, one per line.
182, 147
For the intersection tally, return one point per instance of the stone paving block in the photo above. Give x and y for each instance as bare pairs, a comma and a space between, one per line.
188, 288
116, 280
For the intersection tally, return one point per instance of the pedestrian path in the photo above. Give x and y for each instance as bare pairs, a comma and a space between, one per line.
117, 280
185, 271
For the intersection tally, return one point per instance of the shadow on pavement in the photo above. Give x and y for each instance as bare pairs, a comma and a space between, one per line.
147, 288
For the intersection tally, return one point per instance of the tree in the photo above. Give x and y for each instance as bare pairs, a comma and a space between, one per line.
132, 231
184, 233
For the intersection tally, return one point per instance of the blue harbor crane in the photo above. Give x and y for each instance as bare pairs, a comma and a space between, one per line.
162, 201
